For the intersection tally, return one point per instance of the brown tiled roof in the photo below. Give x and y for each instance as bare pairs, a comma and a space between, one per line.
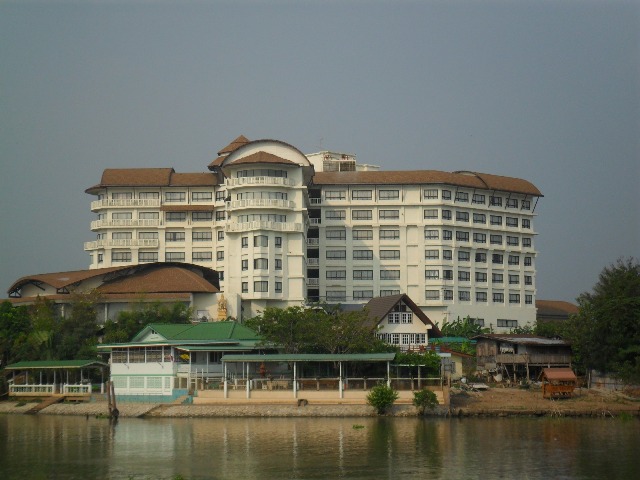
237, 143
163, 279
151, 177
559, 374
379, 307
110, 297
62, 279
263, 157
216, 163
555, 308
187, 208
421, 177
204, 179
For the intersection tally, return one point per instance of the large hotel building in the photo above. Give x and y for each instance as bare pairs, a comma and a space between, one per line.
284, 228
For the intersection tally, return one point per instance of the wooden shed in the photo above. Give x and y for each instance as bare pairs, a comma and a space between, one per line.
558, 382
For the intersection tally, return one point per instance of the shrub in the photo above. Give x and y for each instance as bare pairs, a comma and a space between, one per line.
425, 399
381, 398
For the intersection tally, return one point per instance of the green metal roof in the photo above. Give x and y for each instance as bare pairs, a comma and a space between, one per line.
227, 330
452, 340
41, 364
311, 357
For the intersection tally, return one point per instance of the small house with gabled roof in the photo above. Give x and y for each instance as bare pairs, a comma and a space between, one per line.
167, 360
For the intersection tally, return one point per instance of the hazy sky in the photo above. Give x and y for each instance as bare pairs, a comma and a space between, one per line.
548, 91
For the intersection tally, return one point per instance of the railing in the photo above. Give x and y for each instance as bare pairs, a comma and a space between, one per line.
125, 202
313, 281
315, 221
535, 358
313, 262
31, 389
77, 389
313, 241
315, 201
124, 223
131, 242
261, 202
264, 225
236, 182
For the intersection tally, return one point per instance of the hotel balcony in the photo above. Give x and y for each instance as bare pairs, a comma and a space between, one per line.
313, 282
313, 242
315, 201
248, 181
313, 262
98, 224
259, 225
261, 203
125, 203
131, 242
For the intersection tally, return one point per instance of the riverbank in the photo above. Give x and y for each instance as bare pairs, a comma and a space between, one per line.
494, 402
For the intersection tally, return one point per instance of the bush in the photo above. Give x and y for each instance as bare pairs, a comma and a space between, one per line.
381, 398
425, 399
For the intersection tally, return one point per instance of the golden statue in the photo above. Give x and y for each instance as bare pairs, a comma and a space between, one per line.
222, 307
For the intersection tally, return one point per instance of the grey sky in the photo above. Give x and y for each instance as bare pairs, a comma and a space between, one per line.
541, 90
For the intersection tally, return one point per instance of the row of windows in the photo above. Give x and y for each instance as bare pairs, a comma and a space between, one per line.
362, 214
260, 241
481, 297
363, 254
479, 218
383, 234
260, 264
403, 338
168, 196
479, 257
480, 277
146, 257
261, 172
341, 295
463, 236
262, 286
262, 195
363, 274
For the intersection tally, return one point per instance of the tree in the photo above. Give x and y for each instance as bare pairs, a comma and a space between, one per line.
466, 328
605, 334
424, 399
76, 338
381, 397
15, 326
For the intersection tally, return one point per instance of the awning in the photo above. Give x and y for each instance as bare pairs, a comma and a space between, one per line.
55, 364
310, 357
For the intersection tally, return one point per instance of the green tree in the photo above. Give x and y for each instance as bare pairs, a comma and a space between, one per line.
45, 325
77, 336
430, 360
424, 399
466, 328
15, 326
605, 334
381, 397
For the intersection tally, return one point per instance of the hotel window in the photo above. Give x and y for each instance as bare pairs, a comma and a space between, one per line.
362, 234
446, 214
462, 216
148, 235
201, 196
407, 317
495, 201
431, 295
495, 219
495, 239
514, 298
144, 257
261, 264
336, 295
174, 256
389, 254
244, 242
514, 279
174, 236
201, 256
335, 195
447, 274
201, 236
498, 298
496, 278
336, 274
278, 287
245, 287
447, 255
478, 198
514, 259
220, 255
447, 235
511, 222
361, 215
389, 292
430, 213
336, 254
363, 254
262, 172
389, 234
448, 294
528, 299
148, 215
526, 223
526, 242
462, 197
430, 193
260, 241
336, 234
389, 274
464, 256
261, 286
528, 280
121, 216
497, 258
122, 196
149, 195
362, 294
361, 194
388, 194
481, 277
527, 261
278, 242
176, 216
278, 265
513, 241
446, 194
525, 205
201, 216
174, 196
479, 218
363, 274
244, 264
431, 254
431, 234
335, 215
480, 237
393, 317
121, 235
512, 203
481, 257
462, 236
100, 257
221, 275
464, 276
220, 235
220, 216
220, 195
464, 296
431, 274
481, 297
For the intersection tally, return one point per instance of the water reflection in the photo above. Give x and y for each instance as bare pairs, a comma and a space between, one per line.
298, 448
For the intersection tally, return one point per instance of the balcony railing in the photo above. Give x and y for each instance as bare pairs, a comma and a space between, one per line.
315, 221
261, 203
313, 262
237, 182
125, 203
315, 201
313, 282
313, 241
96, 224
131, 242
266, 225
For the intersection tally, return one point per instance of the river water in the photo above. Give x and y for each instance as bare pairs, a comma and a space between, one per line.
62, 447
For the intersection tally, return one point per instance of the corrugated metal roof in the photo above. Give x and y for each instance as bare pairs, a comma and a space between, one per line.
42, 364
522, 339
312, 357
559, 374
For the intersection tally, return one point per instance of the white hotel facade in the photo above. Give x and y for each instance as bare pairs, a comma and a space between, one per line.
284, 228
